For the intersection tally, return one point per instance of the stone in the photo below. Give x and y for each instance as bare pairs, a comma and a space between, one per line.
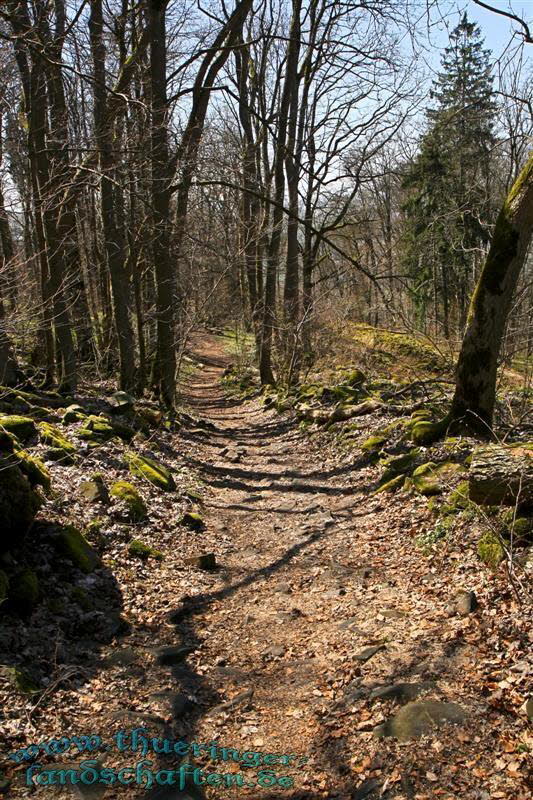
124, 657
402, 692
19, 680
366, 789
21, 427
172, 655
283, 588
94, 490
466, 603
73, 413
368, 652
24, 592
274, 651
417, 719
205, 561
143, 551
192, 520
133, 503
151, 470
179, 702
121, 403
19, 502
73, 544
527, 707
61, 448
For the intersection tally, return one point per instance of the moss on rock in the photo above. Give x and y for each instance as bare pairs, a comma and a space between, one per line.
24, 591
34, 469
18, 502
73, 544
490, 549
21, 427
151, 470
426, 432
134, 503
192, 520
96, 429
19, 679
143, 551
61, 448
73, 413
374, 443
392, 485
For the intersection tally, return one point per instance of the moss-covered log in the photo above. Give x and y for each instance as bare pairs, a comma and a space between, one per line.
500, 474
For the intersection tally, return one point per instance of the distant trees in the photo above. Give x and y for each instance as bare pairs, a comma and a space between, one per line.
450, 200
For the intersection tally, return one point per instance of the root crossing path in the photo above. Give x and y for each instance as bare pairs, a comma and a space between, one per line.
319, 601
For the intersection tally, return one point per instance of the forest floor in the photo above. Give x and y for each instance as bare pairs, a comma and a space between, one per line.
320, 600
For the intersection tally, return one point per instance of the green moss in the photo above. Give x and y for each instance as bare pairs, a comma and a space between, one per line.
97, 429
34, 469
425, 432
21, 427
73, 413
398, 465
20, 680
73, 544
374, 443
95, 526
61, 447
18, 503
490, 549
24, 591
143, 551
392, 485
428, 479
151, 470
192, 520
459, 498
128, 494
354, 377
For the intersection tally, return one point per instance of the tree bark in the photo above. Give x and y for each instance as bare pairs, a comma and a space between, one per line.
476, 372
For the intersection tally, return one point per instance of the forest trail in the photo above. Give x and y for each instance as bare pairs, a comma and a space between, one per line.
314, 605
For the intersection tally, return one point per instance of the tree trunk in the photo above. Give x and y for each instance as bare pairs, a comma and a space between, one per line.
476, 374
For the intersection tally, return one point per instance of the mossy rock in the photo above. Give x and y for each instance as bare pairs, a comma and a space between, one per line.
354, 377
426, 432
458, 500
392, 485
19, 680
73, 544
149, 417
34, 469
19, 503
81, 598
60, 456
429, 479
520, 527
374, 444
61, 448
192, 520
151, 470
94, 490
121, 403
143, 551
96, 429
21, 427
419, 718
401, 464
490, 549
24, 592
133, 502
73, 413
4, 586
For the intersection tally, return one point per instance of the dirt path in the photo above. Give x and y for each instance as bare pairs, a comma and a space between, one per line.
314, 606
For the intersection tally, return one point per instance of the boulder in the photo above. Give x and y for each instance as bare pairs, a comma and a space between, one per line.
132, 501
73, 544
24, 592
73, 413
61, 448
143, 551
21, 427
417, 719
94, 490
19, 502
151, 470
502, 474
121, 403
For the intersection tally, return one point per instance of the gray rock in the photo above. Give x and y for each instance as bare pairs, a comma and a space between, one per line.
283, 588
417, 719
204, 561
466, 603
121, 402
402, 692
368, 652
274, 651
169, 656
121, 658
366, 789
94, 491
